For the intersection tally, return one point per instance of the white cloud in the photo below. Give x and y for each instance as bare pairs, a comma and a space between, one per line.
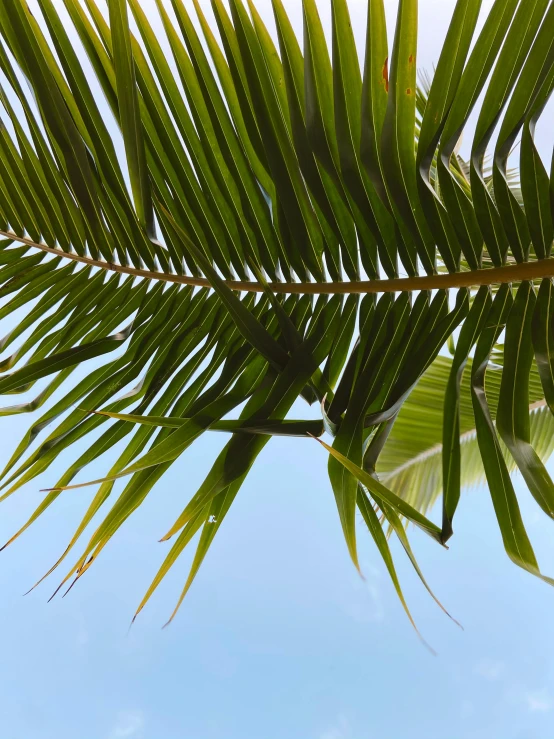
374, 586
490, 669
332, 734
129, 724
541, 701
340, 730
366, 602
82, 635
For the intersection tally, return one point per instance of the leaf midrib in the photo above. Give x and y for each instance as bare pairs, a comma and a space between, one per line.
511, 273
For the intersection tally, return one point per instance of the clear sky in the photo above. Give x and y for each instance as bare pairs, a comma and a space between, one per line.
278, 638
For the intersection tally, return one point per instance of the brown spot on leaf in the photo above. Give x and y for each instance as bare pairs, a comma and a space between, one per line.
408, 91
411, 59
386, 73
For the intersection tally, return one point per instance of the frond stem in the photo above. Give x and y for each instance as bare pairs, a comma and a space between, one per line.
474, 278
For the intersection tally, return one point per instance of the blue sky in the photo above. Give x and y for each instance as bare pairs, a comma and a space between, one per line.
279, 637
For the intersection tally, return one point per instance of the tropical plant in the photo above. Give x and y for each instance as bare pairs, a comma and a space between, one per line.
212, 223
411, 461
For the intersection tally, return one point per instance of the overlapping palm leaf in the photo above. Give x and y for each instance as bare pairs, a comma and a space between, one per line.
193, 224
411, 461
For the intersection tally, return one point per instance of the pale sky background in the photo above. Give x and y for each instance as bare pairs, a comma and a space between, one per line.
278, 638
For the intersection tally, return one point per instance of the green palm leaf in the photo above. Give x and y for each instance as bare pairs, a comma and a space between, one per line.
411, 461
190, 240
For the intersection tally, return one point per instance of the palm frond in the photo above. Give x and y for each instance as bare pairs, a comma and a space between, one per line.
193, 234
411, 461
